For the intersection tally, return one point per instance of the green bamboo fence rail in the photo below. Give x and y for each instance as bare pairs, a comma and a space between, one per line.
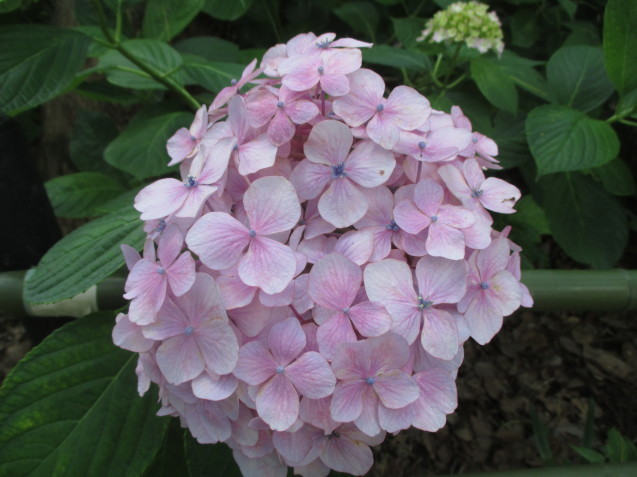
626, 469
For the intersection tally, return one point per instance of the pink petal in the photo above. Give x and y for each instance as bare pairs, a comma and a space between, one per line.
255, 155
334, 282
370, 319
309, 179
366, 92
218, 239
439, 334
238, 117
278, 403
219, 346
410, 218
271, 205
396, 389
441, 280
499, 196
179, 146
214, 388
301, 112
312, 376
347, 401
335, 84
286, 341
345, 455
280, 129
407, 108
367, 422
342, 62
356, 245
428, 196
181, 274
342, 203
333, 333
255, 364
438, 397
129, 336
235, 293
179, 359
370, 165
261, 107
383, 131
268, 265
161, 198
444, 241
329, 143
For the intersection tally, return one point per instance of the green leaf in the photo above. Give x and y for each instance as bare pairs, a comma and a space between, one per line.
37, 63
9, 5
525, 28
141, 149
210, 48
71, 407
103, 91
569, 6
523, 74
170, 460
541, 436
627, 104
408, 29
494, 84
79, 195
164, 19
590, 455
509, 135
563, 139
396, 57
210, 460
588, 223
92, 132
620, 43
577, 78
225, 10
121, 71
213, 76
84, 257
362, 17
619, 448
616, 177
531, 217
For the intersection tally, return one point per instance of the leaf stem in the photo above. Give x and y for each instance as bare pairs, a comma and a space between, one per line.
142, 65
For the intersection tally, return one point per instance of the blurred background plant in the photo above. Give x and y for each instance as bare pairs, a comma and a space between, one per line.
100, 85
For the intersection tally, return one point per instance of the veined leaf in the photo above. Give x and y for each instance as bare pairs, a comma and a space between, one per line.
79, 195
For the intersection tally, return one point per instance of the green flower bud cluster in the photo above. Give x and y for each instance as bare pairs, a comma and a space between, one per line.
468, 22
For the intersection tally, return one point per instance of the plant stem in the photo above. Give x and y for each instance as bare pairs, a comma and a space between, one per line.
145, 67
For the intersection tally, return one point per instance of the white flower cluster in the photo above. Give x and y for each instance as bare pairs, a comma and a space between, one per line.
468, 22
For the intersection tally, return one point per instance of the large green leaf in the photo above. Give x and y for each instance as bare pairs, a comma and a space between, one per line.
141, 149
71, 408
407, 30
563, 139
37, 62
362, 17
170, 460
508, 133
226, 10
84, 257
616, 177
494, 84
577, 78
209, 48
166, 18
587, 222
213, 76
620, 43
79, 195
122, 72
210, 460
396, 57
523, 74
9, 5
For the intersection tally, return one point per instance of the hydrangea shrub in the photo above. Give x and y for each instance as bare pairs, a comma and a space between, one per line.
307, 286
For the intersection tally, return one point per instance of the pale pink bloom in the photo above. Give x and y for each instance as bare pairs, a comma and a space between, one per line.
264, 466
283, 372
211, 421
309, 44
281, 112
379, 220
329, 70
334, 284
149, 279
128, 335
472, 188
195, 334
404, 110
251, 150
185, 198
437, 145
271, 206
492, 291
227, 93
355, 245
370, 376
329, 161
314, 225
273, 58
438, 397
482, 146
440, 282
513, 266
444, 222
185, 142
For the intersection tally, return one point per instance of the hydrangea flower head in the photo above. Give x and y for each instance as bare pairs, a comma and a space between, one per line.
466, 22
308, 285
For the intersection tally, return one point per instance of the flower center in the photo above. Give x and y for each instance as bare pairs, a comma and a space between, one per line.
370, 380
338, 170
161, 226
280, 104
380, 107
233, 81
161, 270
422, 145
323, 44
193, 138
476, 193
423, 304
474, 140
253, 233
280, 369
320, 70
333, 435
484, 285
393, 226
190, 181
188, 330
434, 218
